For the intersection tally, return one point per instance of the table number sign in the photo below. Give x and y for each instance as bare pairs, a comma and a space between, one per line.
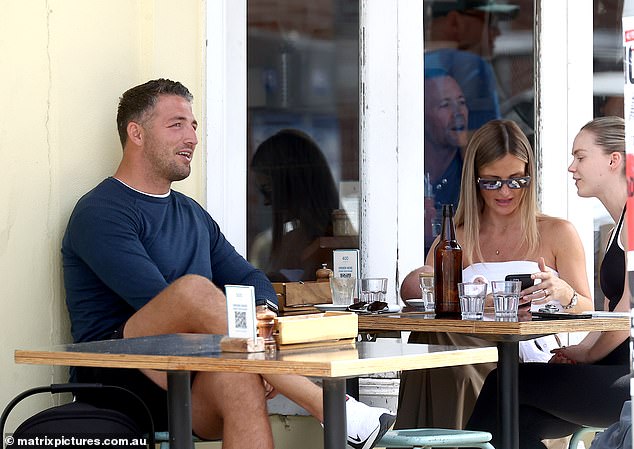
346, 265
241, 311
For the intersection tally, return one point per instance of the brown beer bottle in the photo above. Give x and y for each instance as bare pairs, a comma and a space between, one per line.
447, 266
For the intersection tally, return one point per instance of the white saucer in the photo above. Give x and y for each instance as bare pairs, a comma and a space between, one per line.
417, 302
393, 308
331, 307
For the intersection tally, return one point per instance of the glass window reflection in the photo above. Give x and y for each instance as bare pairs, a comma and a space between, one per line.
608, 100
481, 51
303, 150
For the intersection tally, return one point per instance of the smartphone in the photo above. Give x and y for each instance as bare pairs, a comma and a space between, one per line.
525, 279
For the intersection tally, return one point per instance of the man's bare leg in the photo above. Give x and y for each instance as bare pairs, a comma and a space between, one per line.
194, 304
224, 405
190, 304
300, 390
232, 407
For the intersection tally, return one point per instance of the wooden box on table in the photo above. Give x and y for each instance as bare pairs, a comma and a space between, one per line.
322, 329
299, 298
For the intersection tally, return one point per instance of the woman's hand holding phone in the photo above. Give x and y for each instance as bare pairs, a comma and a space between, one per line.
527, 282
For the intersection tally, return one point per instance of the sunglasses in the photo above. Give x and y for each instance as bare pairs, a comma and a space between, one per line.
512, 183
371, 307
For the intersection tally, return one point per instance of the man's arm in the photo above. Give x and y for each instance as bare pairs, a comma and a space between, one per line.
229, 267
108, 244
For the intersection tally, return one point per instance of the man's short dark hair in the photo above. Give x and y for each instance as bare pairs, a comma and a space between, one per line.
135, 102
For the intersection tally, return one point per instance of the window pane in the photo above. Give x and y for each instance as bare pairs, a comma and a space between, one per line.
478, 67
608, 100
303, 149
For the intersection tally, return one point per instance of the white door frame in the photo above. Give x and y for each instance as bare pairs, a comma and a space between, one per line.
564, 87
226, 123
391, 139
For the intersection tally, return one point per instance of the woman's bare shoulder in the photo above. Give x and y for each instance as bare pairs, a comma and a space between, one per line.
555, 228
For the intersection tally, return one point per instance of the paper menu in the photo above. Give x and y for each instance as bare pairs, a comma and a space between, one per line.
241, 320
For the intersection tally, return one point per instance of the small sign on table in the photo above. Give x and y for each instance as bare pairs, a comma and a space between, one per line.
241, 321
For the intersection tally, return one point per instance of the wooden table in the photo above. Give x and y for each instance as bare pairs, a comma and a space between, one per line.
180, 354
507, 335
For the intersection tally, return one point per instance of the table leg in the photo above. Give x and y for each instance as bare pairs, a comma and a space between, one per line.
508, 401
179, 409
335, 433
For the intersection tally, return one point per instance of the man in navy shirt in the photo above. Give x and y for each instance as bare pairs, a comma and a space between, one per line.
141, 259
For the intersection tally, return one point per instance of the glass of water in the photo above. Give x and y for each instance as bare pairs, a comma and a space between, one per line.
426, 281
472, 296
373, 289
506, 297
342, 290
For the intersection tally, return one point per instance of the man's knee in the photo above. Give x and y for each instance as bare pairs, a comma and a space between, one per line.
195, 290
190, 304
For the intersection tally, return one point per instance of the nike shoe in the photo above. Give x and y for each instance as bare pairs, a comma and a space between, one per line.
366, 425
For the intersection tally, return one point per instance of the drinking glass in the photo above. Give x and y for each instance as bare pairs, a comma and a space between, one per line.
472, 296
342, 290
426, 281
506, 297
373, 289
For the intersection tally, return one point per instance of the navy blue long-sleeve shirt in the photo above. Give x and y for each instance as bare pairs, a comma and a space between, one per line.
122, 247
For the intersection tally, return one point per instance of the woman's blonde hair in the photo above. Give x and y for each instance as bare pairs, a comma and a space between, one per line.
491, 142
609, 134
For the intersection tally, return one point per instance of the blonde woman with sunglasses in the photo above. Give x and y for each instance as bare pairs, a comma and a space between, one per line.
501, 232
588, 383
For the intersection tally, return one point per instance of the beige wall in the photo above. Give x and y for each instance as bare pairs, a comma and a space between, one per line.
64, 64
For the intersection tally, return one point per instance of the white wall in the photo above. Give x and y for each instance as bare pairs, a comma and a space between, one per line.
64, 65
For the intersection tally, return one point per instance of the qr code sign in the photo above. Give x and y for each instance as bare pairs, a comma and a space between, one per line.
240, 319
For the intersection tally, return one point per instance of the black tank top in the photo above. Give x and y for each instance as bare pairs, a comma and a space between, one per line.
612, 276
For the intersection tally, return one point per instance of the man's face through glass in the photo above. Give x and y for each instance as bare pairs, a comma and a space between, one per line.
446, 113
477, 31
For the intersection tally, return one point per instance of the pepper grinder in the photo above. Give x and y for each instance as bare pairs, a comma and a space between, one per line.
324, 273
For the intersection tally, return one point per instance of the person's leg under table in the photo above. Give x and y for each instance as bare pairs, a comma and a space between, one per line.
508, 401
335, 433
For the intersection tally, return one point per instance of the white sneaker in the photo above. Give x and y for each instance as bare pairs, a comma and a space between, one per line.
366, 425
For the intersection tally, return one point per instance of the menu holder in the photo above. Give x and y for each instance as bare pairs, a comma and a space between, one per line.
322, 329
241, 321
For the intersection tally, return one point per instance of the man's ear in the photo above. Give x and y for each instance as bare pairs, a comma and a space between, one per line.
135, 133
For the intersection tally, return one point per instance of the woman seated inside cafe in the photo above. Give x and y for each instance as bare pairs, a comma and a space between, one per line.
585, 384
294, 178
501, 232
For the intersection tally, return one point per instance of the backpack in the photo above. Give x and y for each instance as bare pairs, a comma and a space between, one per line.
77, 424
